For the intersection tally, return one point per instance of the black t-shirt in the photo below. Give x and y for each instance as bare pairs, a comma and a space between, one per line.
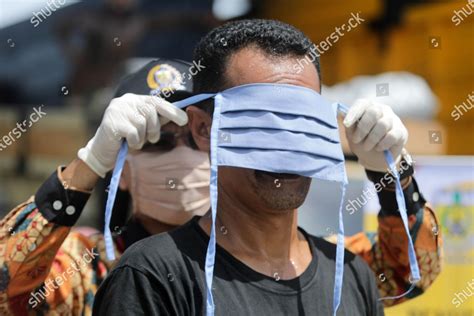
164, 275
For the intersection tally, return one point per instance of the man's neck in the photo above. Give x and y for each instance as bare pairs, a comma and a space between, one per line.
153, 226
267, 241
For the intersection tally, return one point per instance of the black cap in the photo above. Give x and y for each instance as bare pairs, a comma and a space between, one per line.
167, 78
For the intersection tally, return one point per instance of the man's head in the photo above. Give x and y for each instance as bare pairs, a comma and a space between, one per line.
244, 52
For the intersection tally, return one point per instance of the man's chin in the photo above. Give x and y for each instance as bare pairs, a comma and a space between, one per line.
281, 191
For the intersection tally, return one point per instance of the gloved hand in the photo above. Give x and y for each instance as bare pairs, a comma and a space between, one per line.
136, 118
371, 128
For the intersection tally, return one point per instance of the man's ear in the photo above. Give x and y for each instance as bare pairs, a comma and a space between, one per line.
199, 123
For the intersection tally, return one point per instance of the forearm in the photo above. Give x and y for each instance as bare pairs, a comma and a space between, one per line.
79, 176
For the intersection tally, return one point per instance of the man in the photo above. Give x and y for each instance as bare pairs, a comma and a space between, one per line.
265, 264
47, 267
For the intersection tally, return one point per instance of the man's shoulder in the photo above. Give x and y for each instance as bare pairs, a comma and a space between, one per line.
162, 250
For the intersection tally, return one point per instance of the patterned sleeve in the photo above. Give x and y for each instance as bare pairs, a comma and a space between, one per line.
45, 266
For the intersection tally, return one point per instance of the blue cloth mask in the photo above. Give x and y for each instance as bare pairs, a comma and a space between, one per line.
276, 128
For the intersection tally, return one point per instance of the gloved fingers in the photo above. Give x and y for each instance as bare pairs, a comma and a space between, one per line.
397, 149
378, 132
133, 134
153, 130
164, 120
350, 132
392, 138
356, 111
167, 110
152, 122
366, 123
398, 137
128, 132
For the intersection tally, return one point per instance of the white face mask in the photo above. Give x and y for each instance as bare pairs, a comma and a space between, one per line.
170, 187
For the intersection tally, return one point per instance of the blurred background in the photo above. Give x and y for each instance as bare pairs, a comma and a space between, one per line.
64, 58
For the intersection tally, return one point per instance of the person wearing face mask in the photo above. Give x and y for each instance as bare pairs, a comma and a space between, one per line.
171, 175
49, 267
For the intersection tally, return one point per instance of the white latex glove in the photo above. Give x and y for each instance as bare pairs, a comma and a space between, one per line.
136, 118
371, 128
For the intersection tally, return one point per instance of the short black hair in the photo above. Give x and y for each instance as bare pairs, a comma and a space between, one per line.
274, 37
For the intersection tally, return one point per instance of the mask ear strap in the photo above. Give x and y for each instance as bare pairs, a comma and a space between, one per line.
339, 253
194, 99
211, 247
114, 183
414, 269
